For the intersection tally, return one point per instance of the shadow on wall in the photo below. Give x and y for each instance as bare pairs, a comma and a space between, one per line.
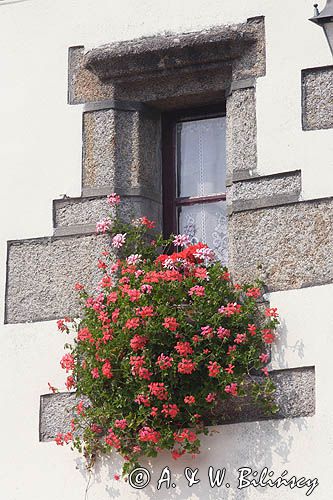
282, 347
256, 445
12, 1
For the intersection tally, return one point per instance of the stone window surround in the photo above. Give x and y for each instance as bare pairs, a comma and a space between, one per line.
121, 123
213, 66
121, 95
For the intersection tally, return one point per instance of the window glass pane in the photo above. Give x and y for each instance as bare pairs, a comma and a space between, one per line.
201, 162
206, 222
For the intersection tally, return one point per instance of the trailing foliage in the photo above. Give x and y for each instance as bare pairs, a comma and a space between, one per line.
165, 338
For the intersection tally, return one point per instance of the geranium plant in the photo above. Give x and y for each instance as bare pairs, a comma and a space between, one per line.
165, 338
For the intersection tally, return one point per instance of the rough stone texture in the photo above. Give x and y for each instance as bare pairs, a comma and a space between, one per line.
317, 98
83, 86
121, 151
252, 62
241, 132
295, 396
80, 212
55, 413
289, 246
134, 59
41, 274
100, 148
270, 190
178, 90
169, 71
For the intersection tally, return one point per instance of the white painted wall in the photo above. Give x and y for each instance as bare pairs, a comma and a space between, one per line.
40, 152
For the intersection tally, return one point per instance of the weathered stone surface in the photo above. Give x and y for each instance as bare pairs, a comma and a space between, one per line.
81, 214
241, 131
41, 274
295, 396
56, 412
317, 98
100, 149
133, 59
252, 62
83, 86
269, 190
169, 71
178, 90
121, 152
295, 393
288, 246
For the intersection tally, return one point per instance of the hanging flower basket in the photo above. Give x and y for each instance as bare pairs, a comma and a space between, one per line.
164, 337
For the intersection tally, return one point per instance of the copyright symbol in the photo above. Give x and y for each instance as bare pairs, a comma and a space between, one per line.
139, 478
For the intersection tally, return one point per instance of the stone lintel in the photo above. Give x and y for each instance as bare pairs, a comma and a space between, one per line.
83, 86
295, 396
133, 59
75, 230
121, 105
170, 71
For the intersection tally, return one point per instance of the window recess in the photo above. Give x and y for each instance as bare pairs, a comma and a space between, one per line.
194, 176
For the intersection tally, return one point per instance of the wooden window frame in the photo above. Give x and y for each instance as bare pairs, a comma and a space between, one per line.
169, 166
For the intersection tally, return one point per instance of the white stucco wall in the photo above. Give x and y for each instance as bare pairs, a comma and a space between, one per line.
40, 153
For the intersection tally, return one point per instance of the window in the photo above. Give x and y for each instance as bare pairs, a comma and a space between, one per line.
194, 176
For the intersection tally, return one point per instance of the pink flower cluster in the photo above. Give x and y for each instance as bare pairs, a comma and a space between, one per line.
214, 368
170, 410
67, 362
158, 389
164, 362
62, 439
112, 439
113, 199
230, 309
148, 434
121, 424
231, 389
118, 240
184, 349
103, 225
186, 366
197, 290
181, 240
138, 367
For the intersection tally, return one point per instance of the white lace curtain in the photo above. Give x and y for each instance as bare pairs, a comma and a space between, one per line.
201, 167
